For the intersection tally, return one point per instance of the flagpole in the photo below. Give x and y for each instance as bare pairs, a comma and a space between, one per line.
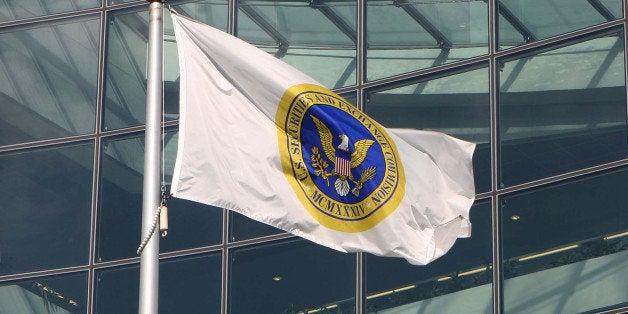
149, 264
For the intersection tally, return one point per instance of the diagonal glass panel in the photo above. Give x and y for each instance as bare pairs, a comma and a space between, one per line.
404, 36
126, 53
318, 38
563, 110
11, 10
457, 104
565, 245
48, 80
547, 18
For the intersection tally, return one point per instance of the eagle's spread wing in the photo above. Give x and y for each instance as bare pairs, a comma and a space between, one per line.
361, 148
326, 139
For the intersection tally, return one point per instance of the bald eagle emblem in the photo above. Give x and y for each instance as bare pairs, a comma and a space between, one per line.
344, 160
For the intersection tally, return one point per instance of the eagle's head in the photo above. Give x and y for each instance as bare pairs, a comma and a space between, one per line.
344, 145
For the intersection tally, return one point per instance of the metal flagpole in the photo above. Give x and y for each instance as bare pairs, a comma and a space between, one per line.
149, 265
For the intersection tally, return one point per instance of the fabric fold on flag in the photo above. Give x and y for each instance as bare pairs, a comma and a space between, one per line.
261, 138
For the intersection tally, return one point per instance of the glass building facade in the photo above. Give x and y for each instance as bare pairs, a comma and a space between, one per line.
540, 86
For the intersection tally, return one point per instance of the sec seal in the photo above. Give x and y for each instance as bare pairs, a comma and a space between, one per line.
342, 165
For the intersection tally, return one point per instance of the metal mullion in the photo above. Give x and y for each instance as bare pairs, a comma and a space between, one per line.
495, 226
361, 52
46, 143
91, 288
360, 282
42, 273
497, 283
224, 291
625, 33
232, 19
51, 18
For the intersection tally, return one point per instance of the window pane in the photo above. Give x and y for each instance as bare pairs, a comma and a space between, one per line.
48, 80
291, 276
563, 110
186, 285
404, 35
458, 282
565, 245
522, 22
55, 294
127, 37
21, 9
46, 216
457, 105
316, 37
120, 205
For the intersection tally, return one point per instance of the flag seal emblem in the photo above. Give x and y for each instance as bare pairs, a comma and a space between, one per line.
342, 165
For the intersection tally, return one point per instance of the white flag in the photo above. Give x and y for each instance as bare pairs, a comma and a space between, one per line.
258, 137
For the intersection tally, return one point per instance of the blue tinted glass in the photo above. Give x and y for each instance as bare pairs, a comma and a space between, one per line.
54, 294
458, 282
127, 37
457, 105
186, 285
120, 205
46, 217
522, 22
316, 37
291, 277
404, 35
565, 245
563, 110
48, 79
20, 9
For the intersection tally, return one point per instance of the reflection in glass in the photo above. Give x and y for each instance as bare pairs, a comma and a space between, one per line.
563, 110
48, 80
120, 204
127, 37
317, 37
297, 275
521, 22
242, 228
404, 36
46, 216
59, 294
458, 282
457, 105
565, 245
21, 9
186, 285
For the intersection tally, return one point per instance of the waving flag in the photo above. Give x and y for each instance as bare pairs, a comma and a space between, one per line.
260, 138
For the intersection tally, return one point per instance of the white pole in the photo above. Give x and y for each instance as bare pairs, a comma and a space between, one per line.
149, 265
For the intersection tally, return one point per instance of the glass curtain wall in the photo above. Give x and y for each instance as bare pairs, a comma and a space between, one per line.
539, 86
